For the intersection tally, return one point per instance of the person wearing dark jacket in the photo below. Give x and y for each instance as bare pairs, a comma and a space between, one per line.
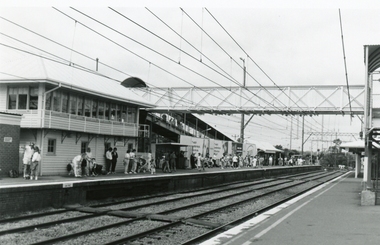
114, 159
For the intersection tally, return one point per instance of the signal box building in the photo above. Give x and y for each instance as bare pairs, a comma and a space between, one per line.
66, 109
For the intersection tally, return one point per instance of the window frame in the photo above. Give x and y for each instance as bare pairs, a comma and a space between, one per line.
48, 152
85, 144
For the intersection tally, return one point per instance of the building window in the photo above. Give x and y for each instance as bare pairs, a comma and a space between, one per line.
48, 102
12, 102
113, 112
51, 146
101, 110
132, 117
118, 113
94, 108
80, 105
57, 101
33, 99
130, 146
22, 98
83, 147
124, 114
73, 104
22, 101
65, 102
87, 107
107, 111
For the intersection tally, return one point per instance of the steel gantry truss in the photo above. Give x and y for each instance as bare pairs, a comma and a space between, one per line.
297, 100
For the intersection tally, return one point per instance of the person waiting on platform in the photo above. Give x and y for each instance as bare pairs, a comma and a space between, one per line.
89, 165
29, 150
200, 162
36, 158
143, 165
214, 157
77, 164
280, 161
165, 165
235, 161
108, 160
254, 162
114, 160
126, 161
152, 166
173, 159
193, 160
222, 161
133, 162
96, 168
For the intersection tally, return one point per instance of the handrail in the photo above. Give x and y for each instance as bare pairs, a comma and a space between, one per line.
67, 121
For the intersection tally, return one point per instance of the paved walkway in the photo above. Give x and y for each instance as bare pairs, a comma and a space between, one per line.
331, 215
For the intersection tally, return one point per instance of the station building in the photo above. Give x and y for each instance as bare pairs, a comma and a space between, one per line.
66, 109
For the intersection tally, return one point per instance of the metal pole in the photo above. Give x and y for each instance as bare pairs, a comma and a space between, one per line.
242, 115
303, 131
291, 132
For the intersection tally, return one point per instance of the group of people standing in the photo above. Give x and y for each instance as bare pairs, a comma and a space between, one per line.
132, 164
84, 164
168, 162
234, 161
31, 159
111, 160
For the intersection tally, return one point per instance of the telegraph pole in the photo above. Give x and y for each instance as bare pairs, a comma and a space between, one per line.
242, 114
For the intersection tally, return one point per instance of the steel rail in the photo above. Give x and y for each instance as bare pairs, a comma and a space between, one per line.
69, 236
152, 231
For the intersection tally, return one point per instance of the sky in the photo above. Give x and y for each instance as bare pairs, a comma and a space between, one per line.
293, 42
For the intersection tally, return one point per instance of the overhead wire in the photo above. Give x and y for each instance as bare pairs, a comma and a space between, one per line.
182, 38
146, 30
68, 62
187, 68
180, 35
203, 31
251, 58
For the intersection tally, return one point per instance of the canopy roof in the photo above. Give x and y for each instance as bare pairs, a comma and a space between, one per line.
354, 146
359, 144
264, 146
373, 57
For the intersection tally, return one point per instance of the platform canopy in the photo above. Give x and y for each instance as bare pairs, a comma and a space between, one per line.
354, 146
373, 57
264, 146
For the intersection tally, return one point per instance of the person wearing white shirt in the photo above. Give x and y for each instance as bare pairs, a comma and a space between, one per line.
36, 158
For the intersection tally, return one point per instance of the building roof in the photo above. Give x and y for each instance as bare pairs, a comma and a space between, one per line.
359, 144
20, 68
264, 146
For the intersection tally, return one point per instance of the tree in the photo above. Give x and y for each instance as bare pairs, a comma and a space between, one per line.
278, 147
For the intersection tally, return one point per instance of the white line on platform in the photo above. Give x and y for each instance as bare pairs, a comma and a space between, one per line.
231, 235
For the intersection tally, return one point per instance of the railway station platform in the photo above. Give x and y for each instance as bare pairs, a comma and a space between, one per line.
331, 214
20, 195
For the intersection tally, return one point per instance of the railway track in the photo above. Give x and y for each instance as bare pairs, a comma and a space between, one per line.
194, 213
